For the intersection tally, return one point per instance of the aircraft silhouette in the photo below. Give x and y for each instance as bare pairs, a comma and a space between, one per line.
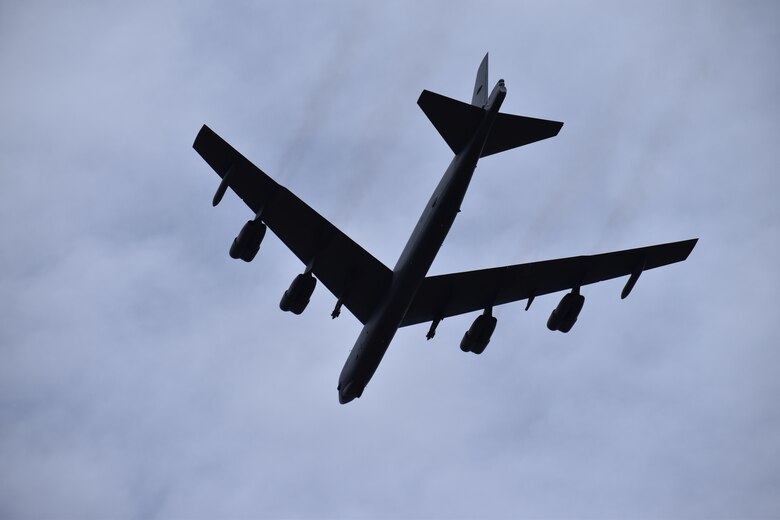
383, 299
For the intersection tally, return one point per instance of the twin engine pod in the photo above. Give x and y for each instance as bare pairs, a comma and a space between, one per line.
478, 336
564, 316
246, 245
296, 298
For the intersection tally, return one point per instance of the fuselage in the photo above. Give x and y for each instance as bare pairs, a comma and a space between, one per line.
415, 260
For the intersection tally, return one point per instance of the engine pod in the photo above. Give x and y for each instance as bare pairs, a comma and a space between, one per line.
296, 298
246, 245
478, 336
564, 316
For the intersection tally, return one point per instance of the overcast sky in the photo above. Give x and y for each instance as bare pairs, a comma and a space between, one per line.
145, 374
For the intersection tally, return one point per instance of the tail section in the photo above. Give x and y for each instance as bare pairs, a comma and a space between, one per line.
457, 121
480, 96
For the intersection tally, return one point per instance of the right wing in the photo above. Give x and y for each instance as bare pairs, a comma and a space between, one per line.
346, 269
452, 294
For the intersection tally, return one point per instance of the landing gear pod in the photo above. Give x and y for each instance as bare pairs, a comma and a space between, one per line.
247, 243
478, 336
564, 316
296, 298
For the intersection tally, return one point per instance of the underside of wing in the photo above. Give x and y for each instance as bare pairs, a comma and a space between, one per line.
346, 269
453, 294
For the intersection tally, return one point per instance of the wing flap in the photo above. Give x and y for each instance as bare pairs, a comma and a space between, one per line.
346, 269
453, 294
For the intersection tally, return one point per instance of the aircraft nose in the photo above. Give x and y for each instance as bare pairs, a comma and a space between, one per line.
344, 394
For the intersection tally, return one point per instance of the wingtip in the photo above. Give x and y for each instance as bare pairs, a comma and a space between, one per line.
201, 133
690, 244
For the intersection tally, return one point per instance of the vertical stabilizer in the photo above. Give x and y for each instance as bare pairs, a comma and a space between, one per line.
480, 96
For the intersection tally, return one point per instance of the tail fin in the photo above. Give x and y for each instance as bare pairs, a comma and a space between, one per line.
480, 96
457, 121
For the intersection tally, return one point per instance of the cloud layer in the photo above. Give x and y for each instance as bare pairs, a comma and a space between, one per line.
146, 374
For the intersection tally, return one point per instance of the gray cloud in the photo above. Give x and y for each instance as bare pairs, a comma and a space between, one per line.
145, 374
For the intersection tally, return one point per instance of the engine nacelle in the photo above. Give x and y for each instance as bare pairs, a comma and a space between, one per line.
478, 336
296, 298
564, 316
247, 243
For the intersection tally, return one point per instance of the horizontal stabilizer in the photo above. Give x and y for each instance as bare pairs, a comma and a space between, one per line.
510, 131
456, 121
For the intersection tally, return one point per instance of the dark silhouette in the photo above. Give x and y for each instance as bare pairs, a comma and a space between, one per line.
384, 300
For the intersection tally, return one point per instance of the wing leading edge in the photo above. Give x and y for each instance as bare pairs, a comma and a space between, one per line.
458, 293
351, 273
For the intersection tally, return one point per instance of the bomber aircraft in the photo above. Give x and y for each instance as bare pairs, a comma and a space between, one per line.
384, 299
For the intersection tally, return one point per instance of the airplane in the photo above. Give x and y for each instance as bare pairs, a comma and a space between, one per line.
383, 299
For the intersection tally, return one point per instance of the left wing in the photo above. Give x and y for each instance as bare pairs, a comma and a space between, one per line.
452, 294
346, 269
